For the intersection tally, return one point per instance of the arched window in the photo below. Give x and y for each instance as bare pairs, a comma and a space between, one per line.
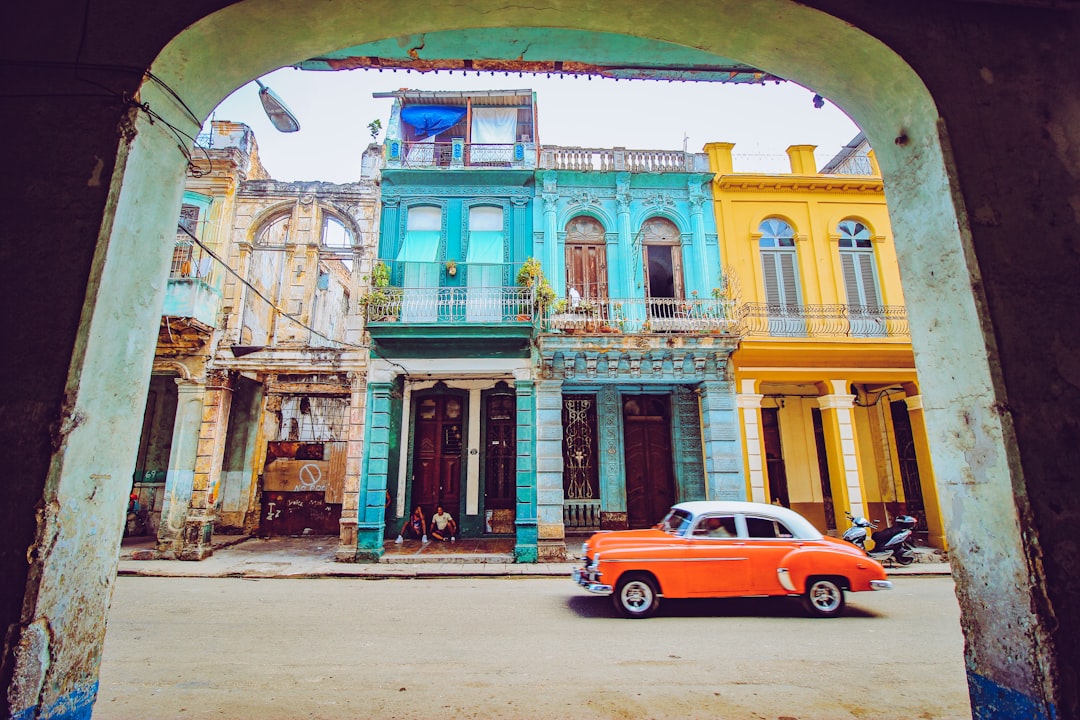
662, 245
779, 266
586, 258
858, 265
335, 233
275, 233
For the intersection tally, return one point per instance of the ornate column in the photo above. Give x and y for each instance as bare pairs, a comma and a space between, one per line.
931, 503
390, 237
550, 260
841, 450
626, 237
197, 535
354, 458
612, 475
526, 523
520, 238
371, 522
720, 441
697, 218
750, 408
180, 478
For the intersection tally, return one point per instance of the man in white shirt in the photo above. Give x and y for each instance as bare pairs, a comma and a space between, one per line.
443, 526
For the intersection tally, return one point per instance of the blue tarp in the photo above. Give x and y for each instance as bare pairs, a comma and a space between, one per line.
431, 119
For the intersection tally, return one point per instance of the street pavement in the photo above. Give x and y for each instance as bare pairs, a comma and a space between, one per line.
313, 557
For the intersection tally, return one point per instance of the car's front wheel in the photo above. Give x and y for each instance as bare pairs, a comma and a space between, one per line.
824, 597
636, 596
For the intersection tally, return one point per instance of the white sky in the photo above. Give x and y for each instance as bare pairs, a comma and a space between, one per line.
334, 109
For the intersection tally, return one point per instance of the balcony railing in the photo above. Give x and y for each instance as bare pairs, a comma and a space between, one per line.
643, 315
554, 157
189, 261
416, 154
777, 320
450, 305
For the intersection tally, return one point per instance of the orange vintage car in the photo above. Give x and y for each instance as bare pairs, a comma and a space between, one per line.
726, 549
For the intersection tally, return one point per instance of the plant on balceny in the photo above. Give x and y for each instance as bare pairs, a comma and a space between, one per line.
382, 303
531, 275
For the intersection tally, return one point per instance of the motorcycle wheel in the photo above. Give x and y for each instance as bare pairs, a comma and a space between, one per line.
904, 556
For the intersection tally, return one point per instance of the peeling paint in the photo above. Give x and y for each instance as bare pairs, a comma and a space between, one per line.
31, 660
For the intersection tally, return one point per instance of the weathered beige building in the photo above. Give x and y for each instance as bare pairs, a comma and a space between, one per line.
260, 357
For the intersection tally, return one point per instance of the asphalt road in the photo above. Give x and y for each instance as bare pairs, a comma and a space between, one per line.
520, 648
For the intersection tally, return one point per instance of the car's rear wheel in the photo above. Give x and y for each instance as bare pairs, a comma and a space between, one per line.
824, 597
636, 595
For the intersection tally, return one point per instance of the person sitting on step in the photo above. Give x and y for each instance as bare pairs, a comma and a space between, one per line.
443, 526
414, 525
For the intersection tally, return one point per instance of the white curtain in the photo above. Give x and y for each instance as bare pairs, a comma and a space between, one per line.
493, 127
420, 253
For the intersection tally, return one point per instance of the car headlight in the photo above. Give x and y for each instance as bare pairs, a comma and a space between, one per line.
595, 562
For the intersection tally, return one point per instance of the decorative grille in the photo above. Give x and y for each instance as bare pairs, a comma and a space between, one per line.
579, 450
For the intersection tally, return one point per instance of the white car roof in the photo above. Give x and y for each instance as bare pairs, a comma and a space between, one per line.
799, 526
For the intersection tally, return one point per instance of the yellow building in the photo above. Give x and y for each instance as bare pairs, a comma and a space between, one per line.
830, 411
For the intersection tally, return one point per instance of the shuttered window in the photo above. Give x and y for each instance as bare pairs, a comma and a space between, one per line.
778, 263
858, 265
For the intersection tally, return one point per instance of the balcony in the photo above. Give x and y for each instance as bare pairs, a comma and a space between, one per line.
414, 155
432, 309
823, 321
189, 293
554, 157
643, 315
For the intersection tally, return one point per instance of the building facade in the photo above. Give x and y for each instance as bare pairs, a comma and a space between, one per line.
831, 413
250, 413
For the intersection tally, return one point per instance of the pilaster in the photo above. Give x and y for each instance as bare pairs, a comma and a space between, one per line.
841, 450
526, 520
371, 520
935, 525
180, 478
720, 442
197, 534
750, 408
354, 458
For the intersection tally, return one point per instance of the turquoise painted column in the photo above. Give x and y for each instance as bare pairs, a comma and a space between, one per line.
370, 523
549, 471
525, 550
628, 288
720, 437
689, 458
550, 260
706, 276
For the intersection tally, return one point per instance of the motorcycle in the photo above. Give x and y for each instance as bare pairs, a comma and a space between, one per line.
892, 542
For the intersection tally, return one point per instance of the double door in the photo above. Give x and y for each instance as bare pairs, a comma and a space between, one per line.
437, 453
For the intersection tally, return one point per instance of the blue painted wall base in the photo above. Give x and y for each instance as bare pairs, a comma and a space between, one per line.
990, 701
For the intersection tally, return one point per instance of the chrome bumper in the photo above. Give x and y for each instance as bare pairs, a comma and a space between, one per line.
589, 581
881, 585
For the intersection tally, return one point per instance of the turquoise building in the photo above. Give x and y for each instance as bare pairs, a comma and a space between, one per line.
591, 398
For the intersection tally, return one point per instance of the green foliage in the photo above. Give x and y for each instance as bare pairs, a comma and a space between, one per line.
531, 275
375, 127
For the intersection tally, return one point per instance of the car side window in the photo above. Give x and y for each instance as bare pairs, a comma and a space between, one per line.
716, 526
767, 528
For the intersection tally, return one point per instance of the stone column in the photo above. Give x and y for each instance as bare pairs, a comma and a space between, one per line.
525, 514
549, 471
180, 478
750, 409
931, 503
371, 522
626, 236
720, 441
519, 230
841, 450
196, 537
551, 238
354, 458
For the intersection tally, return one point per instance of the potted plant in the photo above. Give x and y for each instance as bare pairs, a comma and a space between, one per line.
381, 303
531, 275
451, 268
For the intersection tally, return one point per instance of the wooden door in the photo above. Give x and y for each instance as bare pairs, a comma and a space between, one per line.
586, 258
650, 473
437, 453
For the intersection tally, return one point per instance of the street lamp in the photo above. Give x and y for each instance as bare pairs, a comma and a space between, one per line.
276, 109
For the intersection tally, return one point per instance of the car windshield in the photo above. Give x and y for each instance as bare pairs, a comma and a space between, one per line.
675, 522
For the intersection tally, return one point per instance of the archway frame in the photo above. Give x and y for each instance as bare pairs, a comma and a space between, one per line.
228, 48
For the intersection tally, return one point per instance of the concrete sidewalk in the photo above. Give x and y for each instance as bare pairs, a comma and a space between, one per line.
313, 557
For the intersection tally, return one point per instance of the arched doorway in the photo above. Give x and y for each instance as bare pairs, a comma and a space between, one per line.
234, 45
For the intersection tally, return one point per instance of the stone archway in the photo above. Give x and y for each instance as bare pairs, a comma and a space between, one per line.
1008, 650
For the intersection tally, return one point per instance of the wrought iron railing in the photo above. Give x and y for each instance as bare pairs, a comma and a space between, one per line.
643, 315
418, 154
555, 157
450, 305
189, 262
778, 320
451, 273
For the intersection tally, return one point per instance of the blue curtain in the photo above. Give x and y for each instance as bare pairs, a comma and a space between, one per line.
429, 120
